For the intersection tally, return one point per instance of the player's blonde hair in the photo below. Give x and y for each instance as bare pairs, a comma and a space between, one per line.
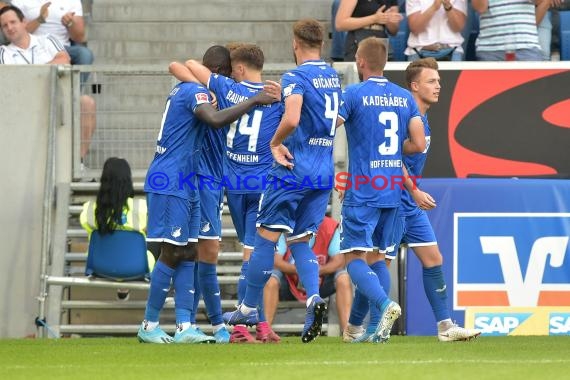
373, 51
415, 68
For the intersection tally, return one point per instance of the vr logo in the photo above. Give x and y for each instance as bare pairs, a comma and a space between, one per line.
511, 259
525, 292
500, 323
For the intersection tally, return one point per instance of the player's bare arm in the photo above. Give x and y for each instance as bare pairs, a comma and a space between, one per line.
201, 72
181, 72
416, 143
218, 119
289, 122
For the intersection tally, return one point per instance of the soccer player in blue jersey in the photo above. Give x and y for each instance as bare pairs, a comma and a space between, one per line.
412, 224
173, 205
247, 155
300, 182
377, 114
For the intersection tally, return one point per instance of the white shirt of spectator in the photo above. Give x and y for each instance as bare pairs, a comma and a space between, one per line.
437, 29
53, 25
42, 50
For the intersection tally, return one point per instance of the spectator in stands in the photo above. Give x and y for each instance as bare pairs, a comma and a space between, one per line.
115, 207
507, 31
284, 282
338, 37
26, 48
364, 18
435, 29
3, 39
544, 24
62, 19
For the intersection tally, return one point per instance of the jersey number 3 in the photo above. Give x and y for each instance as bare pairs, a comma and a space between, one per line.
389, 121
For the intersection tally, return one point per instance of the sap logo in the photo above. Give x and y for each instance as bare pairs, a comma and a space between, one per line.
559, 324
525, 292
499, 323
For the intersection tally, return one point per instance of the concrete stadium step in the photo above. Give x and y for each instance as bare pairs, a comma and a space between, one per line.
213, 10
152, 32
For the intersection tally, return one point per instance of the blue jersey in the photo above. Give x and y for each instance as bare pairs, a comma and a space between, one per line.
210, 165
179, 143
377, 113
415, 164
248, 157
311, 144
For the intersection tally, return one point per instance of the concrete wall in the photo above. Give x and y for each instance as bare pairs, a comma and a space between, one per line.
148, 31
24, 120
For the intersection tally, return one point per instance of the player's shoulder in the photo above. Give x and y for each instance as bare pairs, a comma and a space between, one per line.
189, 87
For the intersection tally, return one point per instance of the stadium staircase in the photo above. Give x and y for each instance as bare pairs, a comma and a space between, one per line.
81, 306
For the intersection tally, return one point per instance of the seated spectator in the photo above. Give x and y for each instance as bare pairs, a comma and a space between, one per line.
507, 31
284, 282
115, 208
28, 49
62, 19
3, 40
364, 18
435, 29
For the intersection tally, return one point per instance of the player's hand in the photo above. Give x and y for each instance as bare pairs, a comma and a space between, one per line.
273, 89
340, 194
214, 101
263, 97
423, 199
67, 19
282, 156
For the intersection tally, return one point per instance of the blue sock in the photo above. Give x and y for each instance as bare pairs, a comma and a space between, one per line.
434, 286
197, 293
383, 274
359, 309
307, 266
367, 282
242, 282
260, 266
260, 309
208, 279
184, 291
159, 286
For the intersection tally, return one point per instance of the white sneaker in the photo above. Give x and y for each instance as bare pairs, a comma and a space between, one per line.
450, 332
351, 333
390, 314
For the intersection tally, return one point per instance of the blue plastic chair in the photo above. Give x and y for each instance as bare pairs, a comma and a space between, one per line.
564, 35
120, 256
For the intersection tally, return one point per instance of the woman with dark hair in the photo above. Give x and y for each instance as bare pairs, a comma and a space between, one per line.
115, 208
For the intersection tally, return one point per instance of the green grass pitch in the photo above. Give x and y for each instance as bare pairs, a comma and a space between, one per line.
403, 357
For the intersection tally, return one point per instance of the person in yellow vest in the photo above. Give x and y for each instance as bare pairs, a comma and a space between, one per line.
333, 278
115, 207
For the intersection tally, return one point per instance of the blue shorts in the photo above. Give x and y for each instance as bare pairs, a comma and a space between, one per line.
172, 219
296, 211
364, 228
243, 210
211, 207
414, 231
